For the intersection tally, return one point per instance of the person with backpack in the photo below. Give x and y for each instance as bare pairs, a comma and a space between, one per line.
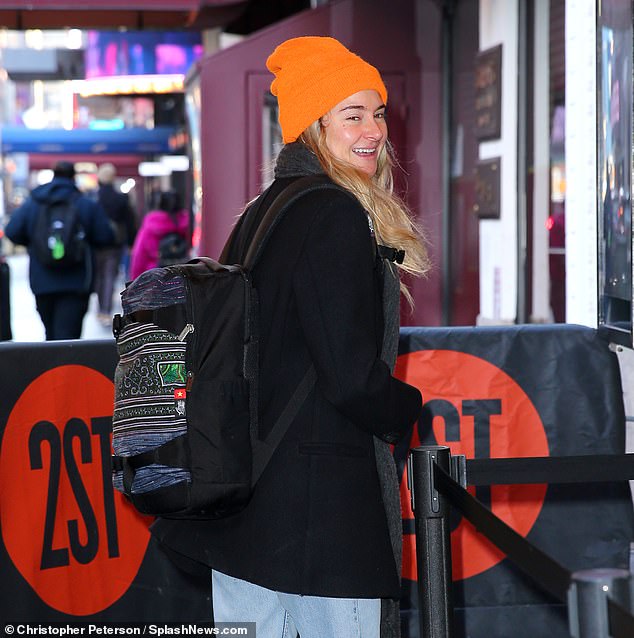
60, 228
163, 236
317, 549
108, 260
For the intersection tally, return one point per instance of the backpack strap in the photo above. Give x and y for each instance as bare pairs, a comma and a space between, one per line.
281, 203
263, 449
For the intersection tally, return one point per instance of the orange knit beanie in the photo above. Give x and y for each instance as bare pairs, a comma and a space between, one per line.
313, 74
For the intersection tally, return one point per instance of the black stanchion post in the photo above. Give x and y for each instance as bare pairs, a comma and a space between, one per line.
587, 600
433, 543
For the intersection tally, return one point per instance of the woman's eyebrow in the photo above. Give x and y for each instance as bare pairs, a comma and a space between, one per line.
361, 107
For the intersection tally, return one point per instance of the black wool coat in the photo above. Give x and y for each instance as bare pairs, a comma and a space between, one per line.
316, 524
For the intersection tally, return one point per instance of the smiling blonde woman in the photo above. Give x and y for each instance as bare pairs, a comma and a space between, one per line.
317, 550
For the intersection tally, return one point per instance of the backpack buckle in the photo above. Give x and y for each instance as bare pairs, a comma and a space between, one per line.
117, 325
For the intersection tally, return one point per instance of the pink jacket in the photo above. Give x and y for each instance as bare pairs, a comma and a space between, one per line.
154, 226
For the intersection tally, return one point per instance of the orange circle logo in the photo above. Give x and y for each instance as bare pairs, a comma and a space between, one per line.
64, 526
477, 410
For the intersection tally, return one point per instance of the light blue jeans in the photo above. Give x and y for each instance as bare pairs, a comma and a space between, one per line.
279, 615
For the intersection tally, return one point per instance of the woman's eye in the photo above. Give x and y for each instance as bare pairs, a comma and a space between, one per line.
380, 116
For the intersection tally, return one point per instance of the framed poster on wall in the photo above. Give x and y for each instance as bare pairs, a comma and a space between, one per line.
488, 93
487, 188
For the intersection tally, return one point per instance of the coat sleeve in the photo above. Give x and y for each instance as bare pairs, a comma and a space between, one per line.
17, 229
337, 297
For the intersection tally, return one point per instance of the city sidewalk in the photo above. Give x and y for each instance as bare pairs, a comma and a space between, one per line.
25, 322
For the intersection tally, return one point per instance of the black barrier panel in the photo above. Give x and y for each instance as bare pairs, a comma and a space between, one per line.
72, 549
521, 391
511, 392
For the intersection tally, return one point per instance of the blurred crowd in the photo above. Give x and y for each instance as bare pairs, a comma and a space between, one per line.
85, 243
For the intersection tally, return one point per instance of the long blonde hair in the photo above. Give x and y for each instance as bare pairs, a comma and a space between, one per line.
393, 222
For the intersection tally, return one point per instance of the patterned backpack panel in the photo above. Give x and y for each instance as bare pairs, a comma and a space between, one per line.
152, 366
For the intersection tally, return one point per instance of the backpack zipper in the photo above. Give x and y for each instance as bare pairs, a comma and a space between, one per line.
189, 328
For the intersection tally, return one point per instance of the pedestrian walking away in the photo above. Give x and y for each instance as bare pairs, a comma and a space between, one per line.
108, 260
60, 228
169, 217
317, 550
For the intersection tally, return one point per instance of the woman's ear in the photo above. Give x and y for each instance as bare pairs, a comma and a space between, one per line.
324, 120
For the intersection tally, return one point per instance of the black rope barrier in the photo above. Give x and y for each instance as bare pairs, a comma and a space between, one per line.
599, 601
551, 469
547, 572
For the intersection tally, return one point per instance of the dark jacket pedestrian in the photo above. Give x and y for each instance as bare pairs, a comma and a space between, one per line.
318, 547
108, 261
61, 295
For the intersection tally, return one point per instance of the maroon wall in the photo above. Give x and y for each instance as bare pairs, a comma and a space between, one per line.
401, 38
464, 224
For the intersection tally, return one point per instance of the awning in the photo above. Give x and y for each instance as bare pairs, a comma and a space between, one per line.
135, 14
137, 141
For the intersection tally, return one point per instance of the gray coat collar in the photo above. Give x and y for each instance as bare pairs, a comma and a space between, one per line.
296, 159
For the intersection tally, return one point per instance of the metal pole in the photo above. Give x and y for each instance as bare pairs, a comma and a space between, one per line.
522, 131
587, 600
433, 544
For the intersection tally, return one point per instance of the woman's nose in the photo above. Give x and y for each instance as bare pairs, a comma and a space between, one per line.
373, 129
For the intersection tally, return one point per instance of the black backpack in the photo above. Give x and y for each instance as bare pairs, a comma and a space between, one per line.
59, 239
173, 249
185, 427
